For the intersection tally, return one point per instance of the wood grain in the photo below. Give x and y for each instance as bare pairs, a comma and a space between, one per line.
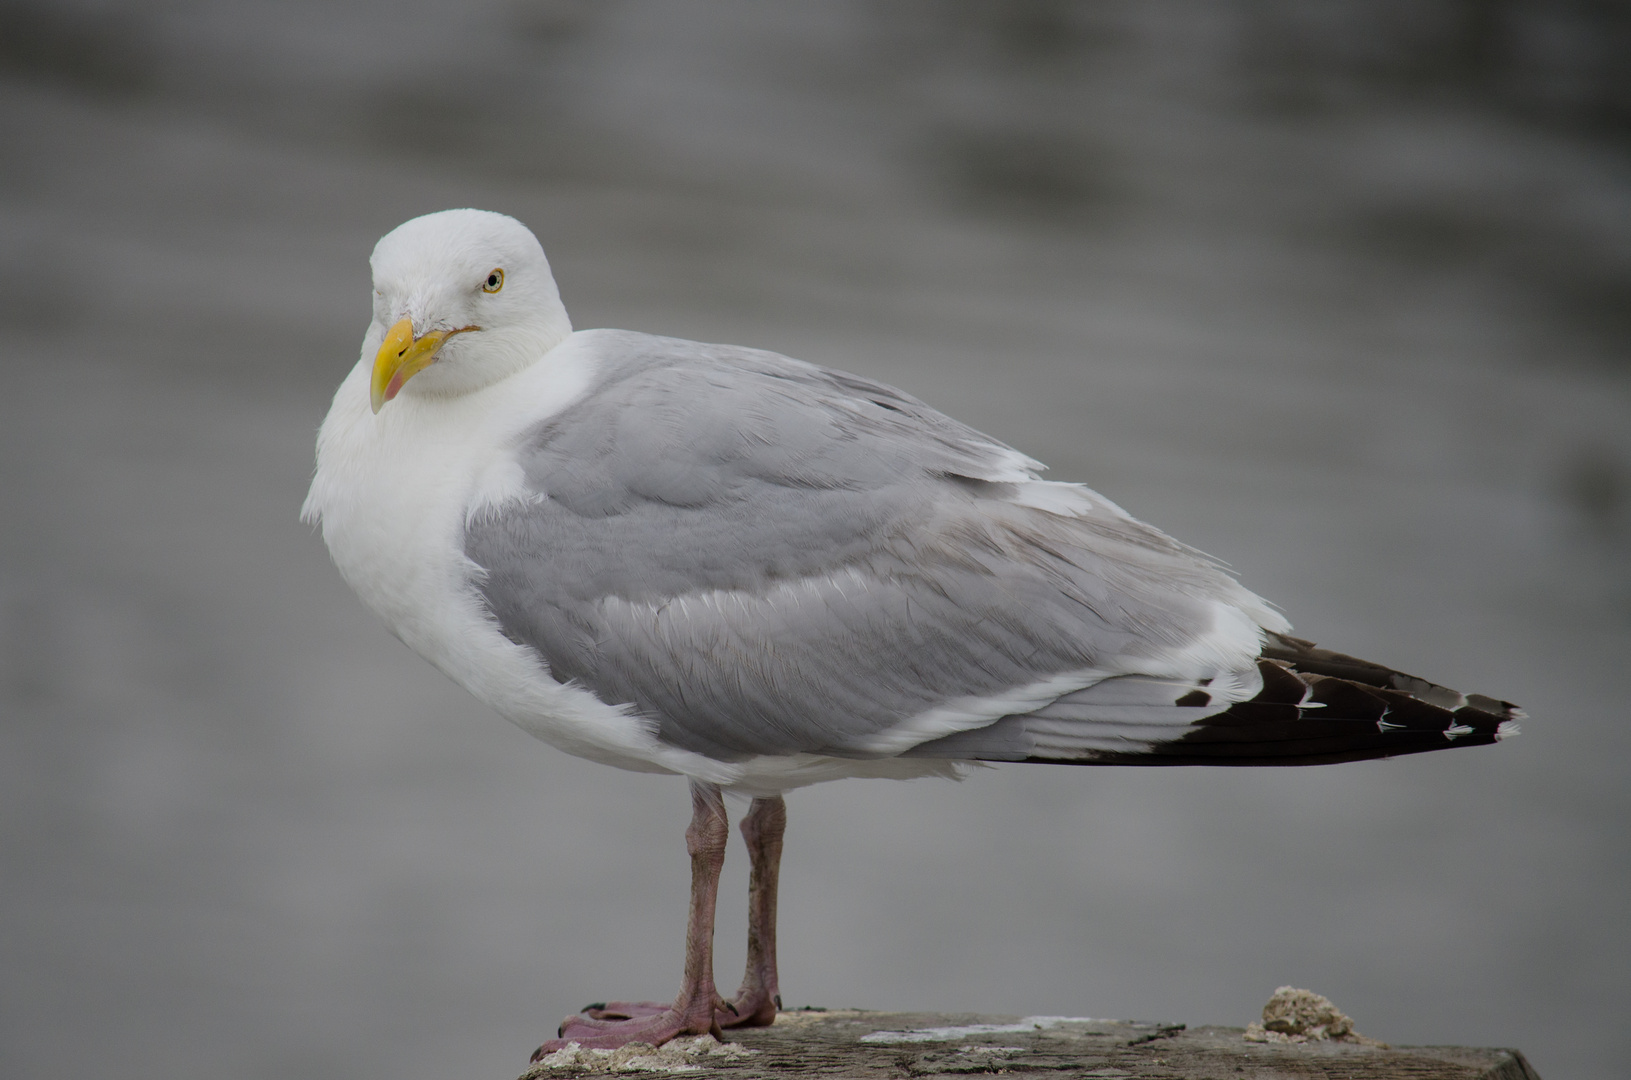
893, 1046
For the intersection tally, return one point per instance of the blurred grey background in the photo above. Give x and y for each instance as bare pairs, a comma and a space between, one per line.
1338, 290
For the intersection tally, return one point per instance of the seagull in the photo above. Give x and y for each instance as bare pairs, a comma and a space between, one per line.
756, 573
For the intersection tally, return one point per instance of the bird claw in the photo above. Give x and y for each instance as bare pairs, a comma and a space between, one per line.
752, 1008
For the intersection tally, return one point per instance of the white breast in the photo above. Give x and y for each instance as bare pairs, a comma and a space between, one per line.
393, 493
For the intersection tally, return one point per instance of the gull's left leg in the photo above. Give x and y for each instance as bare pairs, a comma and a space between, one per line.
693, 1011
759, 998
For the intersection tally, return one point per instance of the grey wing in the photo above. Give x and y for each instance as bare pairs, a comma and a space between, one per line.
764, 557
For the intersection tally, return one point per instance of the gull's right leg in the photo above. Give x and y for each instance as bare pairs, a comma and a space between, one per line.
692, 1013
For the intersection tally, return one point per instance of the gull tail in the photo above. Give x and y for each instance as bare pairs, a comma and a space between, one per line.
1319, 707
1314, 707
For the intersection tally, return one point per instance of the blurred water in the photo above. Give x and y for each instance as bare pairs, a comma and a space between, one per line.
1328, 302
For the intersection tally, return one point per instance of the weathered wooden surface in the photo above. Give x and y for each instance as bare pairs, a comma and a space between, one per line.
894, 1046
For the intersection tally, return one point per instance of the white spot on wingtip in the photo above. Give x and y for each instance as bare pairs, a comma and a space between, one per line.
1455, 731
1507, 729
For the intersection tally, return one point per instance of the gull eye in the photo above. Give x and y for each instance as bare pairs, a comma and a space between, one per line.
494, 282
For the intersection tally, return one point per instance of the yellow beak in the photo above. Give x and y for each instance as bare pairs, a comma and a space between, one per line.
402, 356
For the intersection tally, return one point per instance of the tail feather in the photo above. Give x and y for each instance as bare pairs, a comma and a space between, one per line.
1302, 705
1318, 707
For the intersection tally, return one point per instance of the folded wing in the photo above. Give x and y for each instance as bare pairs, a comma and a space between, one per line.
763, 557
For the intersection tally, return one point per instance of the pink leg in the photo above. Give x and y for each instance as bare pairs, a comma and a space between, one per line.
693, 1011
759, 998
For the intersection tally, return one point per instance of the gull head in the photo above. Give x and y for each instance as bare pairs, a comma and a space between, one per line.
462, 299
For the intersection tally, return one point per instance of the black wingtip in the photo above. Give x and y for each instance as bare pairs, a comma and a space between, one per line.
1319, 707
